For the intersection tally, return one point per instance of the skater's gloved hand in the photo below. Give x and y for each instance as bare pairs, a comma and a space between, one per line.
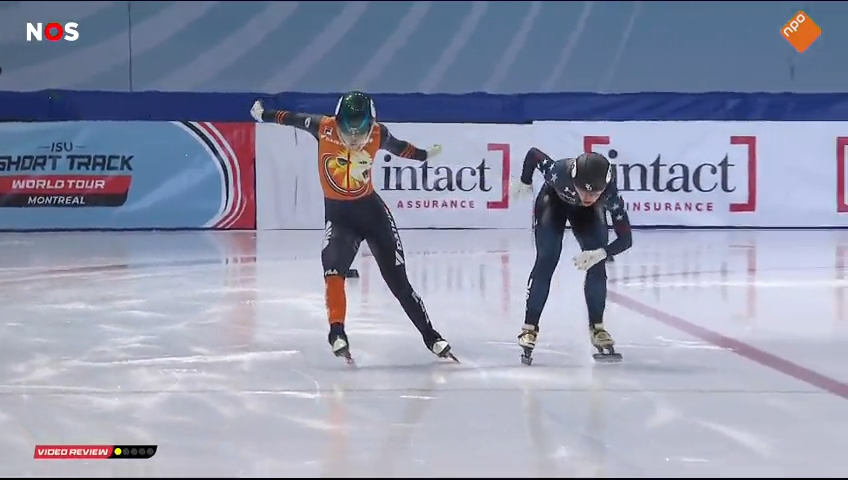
433, 151
518, 189
588, 259
257, 110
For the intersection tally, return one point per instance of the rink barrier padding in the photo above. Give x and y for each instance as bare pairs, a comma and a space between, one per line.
709, 160
65, 105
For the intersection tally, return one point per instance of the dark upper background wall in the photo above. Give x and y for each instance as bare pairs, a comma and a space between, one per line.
444, 47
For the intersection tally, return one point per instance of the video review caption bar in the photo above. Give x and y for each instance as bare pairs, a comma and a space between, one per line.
94, 452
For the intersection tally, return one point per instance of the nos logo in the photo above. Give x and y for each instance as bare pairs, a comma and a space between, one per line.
52, 31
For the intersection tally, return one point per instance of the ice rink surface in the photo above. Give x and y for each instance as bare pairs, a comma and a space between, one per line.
213, 346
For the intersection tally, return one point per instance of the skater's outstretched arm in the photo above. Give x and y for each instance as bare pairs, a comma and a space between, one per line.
404, 149
533, 160
620, 221
308, 122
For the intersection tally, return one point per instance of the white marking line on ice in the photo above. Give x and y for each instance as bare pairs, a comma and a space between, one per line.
814, 284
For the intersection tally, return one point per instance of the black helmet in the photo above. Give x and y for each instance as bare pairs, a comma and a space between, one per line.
355, 117
592, 172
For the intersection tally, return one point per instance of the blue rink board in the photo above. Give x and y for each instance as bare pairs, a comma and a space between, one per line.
64, 105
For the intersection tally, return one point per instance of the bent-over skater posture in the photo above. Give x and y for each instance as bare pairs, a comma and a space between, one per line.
353, 211
575, 190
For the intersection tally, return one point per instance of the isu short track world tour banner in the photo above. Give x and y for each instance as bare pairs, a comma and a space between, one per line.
127, 175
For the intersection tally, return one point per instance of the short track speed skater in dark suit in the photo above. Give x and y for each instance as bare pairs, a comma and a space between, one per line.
577, 191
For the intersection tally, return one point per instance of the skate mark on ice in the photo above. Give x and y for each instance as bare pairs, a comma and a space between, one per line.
744, 283
401, 434
54, 390
654, 279
540, 438
745, 439
309, 378
189, 359
671, 343
595, 452
663, 412
766, 359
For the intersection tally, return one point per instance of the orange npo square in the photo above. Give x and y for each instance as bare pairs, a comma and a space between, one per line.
801, 31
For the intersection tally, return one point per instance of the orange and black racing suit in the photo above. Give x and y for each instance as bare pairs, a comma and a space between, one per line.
354, 212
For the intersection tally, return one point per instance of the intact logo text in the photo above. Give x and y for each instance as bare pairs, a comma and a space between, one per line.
471, 183
52, 31
725, 174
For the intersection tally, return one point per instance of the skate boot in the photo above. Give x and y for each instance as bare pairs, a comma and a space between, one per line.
527, 341
440, 347
339, 343
603, 342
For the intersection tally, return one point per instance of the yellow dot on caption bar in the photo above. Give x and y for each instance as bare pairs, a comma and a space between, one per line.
118, 451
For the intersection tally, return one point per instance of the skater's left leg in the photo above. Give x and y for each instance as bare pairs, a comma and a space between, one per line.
591, 233
384, 242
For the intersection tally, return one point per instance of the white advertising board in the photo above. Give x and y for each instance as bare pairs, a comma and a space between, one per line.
466, 186
675, 174
717, 174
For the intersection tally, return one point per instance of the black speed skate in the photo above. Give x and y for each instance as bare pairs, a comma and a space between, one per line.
604, 344
527, 342
339, 343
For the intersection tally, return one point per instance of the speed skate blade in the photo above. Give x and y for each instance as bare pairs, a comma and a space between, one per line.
608, 357
451, 356
527, 356
345, 354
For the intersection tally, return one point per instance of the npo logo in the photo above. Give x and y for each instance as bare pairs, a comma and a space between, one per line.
482, 180
53, 31
691, 179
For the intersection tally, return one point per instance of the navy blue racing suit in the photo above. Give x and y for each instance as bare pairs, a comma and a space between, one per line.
556, 205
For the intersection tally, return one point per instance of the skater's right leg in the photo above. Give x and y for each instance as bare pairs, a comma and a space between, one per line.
549, 219
340, 246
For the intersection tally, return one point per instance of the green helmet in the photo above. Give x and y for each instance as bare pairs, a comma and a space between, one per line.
355, 117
